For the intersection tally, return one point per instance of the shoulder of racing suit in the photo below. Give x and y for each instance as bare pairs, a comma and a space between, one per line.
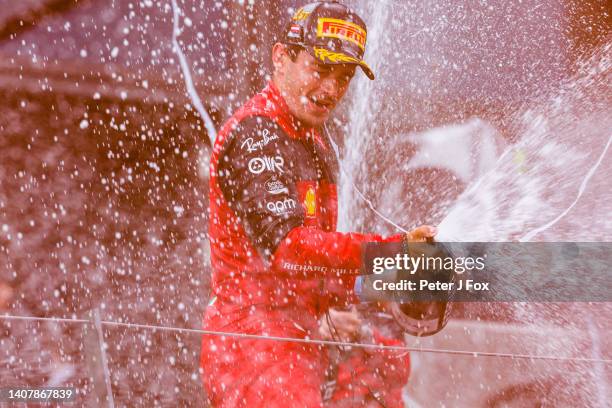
258, 171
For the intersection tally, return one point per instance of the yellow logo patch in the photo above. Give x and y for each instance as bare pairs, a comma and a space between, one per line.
310, 202
301, 15
336, 57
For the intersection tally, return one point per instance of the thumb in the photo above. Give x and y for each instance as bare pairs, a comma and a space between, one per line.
421, 233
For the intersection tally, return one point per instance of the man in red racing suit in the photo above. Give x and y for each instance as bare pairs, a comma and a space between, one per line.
278, 264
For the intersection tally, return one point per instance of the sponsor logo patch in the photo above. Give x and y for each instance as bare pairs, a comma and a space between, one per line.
258, 165
301, 14
295, 31
281, 206
275, 186
253, 145
342, 29
323, 55
310, 202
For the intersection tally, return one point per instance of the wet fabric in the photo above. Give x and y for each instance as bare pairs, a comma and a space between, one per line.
278, 264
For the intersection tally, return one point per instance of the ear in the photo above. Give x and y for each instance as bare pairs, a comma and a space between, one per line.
279, 57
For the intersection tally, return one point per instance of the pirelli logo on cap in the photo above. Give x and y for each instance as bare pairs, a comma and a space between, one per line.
342, 29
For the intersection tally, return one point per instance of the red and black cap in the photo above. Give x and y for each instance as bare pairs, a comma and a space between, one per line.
331, 33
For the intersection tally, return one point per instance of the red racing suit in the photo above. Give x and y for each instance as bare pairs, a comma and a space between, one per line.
278, 265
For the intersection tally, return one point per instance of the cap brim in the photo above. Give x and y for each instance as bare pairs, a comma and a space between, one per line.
336, 58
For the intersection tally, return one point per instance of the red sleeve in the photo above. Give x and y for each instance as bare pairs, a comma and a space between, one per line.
323, 254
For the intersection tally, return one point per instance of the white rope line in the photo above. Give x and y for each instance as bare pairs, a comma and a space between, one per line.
313, 341
193, 94
583, 186
50, 319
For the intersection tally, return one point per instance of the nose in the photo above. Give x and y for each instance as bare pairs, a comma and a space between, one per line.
331, 87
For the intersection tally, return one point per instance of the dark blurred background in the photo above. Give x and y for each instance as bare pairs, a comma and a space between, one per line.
103, 178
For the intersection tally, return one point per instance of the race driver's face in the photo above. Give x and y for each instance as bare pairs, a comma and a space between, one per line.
311, 89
